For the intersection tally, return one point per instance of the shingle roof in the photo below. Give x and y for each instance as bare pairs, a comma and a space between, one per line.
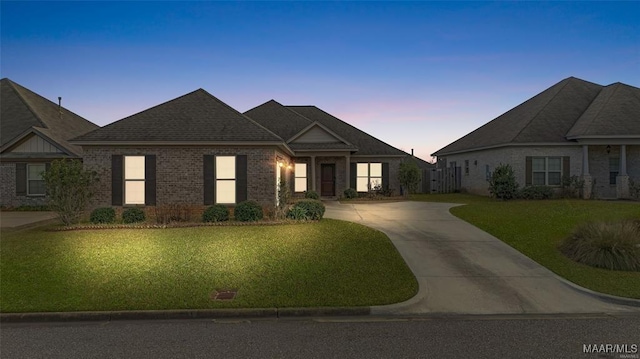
279, 119
23, 110
366, 144
544, 118
615, 112
195, 117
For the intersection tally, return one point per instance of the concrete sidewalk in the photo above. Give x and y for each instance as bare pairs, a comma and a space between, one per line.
464, 270
16, 220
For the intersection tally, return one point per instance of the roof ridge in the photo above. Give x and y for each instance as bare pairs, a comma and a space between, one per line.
25, 102
601, 107
241, 114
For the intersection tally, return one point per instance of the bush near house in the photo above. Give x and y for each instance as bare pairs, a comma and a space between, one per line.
248, 211
409, 176
103, 215
307, 209
133, 215
215, 213
311, 194
609, 245
536, 192
175, 212
350, 193
502, 184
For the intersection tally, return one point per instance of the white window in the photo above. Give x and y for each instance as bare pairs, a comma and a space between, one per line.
35, 183
368, 176
226, 179
134, 179
300, 177
546, 171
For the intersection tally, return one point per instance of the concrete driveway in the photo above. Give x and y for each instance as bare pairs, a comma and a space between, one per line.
464, 270
15, 220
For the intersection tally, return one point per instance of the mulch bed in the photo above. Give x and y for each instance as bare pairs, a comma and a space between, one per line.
79, 227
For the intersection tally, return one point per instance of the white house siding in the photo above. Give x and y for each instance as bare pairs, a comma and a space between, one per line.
599, 167
476, 182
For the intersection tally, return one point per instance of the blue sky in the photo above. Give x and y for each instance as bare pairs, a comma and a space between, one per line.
414, 74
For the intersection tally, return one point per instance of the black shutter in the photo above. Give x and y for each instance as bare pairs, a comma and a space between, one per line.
565, 166
292, 180
385, 175
116, 180
241, 178
47, 166
150, 180
21, 179
309, 177
209, 182
353, 173
528, 171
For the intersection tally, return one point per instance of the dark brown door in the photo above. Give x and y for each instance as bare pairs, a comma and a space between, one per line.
328, 185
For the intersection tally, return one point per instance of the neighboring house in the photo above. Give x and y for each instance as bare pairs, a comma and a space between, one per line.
573, 128
34, 132
197, 150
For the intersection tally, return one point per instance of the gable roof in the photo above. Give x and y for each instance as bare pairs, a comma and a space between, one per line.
366, 144
545, 118
197, 117
614, 113
279, 119
24, 112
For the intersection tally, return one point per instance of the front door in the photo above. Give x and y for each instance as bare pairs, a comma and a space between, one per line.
328, 180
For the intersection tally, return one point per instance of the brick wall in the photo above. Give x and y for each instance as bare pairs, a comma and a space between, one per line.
8, 189
179, 171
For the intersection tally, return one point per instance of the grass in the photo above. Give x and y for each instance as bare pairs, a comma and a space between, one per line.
327, 263
536, 228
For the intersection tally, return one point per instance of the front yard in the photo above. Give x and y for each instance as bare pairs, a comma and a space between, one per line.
536, 227
327, 263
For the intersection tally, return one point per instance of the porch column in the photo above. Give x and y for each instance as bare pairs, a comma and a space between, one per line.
348, 172
622, 180
586, 177
313, 174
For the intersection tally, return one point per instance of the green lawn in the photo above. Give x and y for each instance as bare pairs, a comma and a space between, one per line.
327, 263
536, 227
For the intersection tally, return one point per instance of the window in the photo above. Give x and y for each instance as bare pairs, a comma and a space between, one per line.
614, 167
466, 167
134, 179
546, 171
35, 183
300, 177
225, 179
368, 176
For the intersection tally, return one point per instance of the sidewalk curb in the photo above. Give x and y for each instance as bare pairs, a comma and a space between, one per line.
31, 225
601, 296
105, 316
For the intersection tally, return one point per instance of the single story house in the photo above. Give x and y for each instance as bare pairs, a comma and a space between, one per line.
573, 128
33, 132
197, 150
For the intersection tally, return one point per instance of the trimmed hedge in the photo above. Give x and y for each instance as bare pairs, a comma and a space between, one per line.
311, 195
350, 193
248, 211
215, 213
103, 215
133, 215
312, 209
536, 192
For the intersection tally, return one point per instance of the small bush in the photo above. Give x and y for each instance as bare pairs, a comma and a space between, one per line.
536, 192
350, 193
298, 213
248, 211
571, 187
503, 183
311, 195
103, 215
313, 209
613, 246
176, 212
216, 213
133, 215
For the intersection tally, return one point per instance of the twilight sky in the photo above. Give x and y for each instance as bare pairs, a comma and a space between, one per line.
414, 74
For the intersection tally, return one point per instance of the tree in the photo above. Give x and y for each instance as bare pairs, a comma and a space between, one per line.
69, 188
409, 175
503, 183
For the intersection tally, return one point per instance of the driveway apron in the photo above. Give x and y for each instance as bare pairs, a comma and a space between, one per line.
462, 269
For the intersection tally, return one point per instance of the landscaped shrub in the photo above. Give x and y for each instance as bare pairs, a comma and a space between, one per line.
503, 183
133, 215
216, 213
311, 195
248, 211
313, 209
350, 193
634, 189
571, 187
536, 192
298, 213
409, 176
175, 212
614, 246
103, 215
